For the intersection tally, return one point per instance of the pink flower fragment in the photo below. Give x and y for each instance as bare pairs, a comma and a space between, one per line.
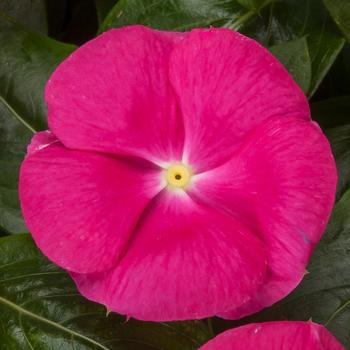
284, 335
183, 177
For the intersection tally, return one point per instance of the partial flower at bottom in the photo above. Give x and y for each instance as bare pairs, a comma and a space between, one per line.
284, 335
182, 176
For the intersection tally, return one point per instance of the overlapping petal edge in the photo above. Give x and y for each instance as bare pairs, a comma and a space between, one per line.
282, 335
126, 107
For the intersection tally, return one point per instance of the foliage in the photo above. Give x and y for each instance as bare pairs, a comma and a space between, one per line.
39, 306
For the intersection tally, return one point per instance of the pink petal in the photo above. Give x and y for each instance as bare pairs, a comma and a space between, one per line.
275, 336
41, 140
281, 183
185, 262
82, 207
113, 95
226, 85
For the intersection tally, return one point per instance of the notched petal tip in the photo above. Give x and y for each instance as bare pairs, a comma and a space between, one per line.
41, 140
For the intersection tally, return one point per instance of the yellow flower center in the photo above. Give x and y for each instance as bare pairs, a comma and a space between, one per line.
178, 175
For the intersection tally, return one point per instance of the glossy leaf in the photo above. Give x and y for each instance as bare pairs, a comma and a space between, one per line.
31, 13
295, 57
26, 60
270, 22
291, 19
175, 15
340, 11
13, 140
41, 309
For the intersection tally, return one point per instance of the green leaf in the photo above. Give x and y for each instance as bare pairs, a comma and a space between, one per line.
270, 22
13, 140
41, 309
103, 7
291, 19
174, 15
340, 11
294, 55
253, 4
26, 60
31, 13
339, 138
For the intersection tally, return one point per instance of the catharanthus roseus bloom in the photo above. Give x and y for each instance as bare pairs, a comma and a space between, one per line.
284, 335
183, 177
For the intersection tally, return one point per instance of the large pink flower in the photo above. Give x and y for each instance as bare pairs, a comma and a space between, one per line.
275, 336
185, 178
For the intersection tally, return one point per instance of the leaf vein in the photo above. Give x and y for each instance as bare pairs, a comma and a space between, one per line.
53, 324
16, 115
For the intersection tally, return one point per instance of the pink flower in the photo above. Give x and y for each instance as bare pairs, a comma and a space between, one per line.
185, 178
284, 335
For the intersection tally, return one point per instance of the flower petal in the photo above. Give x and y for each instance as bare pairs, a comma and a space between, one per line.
81, 207
283, 335
113, 95
281, 183
185, 262
226, 85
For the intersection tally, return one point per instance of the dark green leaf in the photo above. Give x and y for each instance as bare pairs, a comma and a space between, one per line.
295, 57
253, 4
339, 138
13, 140
340, 11
26, 60
3, 232
103, 7
41, 309
291, 19
176, 15
31, 13
271, 22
